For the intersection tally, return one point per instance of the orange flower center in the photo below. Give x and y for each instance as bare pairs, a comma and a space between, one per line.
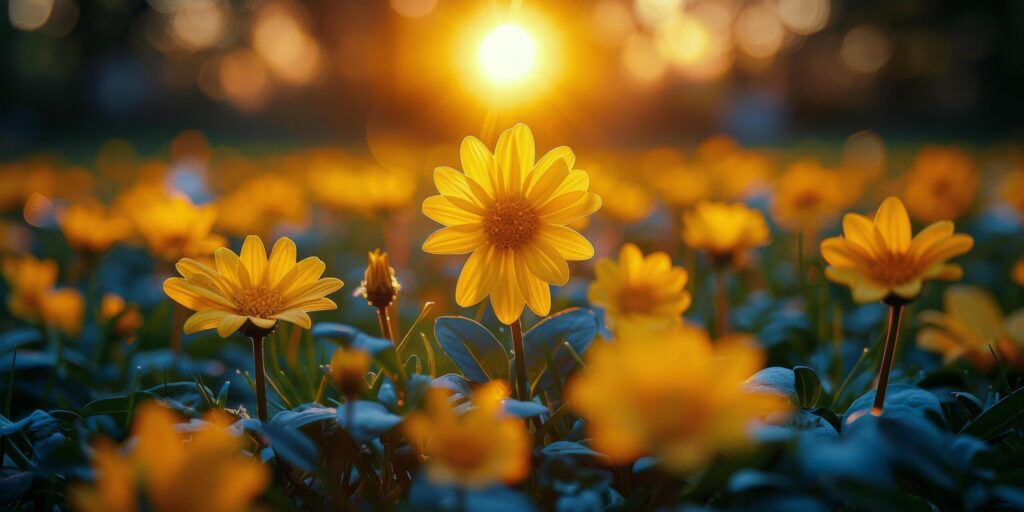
463, 453
258, 301
510, 222
637, 299
806, 200
895, 268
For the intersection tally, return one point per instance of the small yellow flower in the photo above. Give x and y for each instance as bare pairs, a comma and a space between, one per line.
175, 228
479, 448
90, 227
638, 291
971, 327
510, 211
249, 287
367, 189
735, 173
172, 470
679, 184
632, 204
129, 320
348, 370
675, 396
726, 231
379, 286
807, 197
882, 260
34, 298
941, 184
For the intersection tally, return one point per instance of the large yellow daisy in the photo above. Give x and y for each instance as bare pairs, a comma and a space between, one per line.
510, 211
251, 287
882, 260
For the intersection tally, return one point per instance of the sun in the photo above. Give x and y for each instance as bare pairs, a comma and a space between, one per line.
508, 54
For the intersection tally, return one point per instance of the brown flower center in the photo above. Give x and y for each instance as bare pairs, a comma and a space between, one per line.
895, 268
637, 299
258, 301
806, 200
510, 222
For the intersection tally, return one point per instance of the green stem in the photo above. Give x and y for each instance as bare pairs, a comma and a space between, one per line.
260, 377
522, 387
888, 355
721, 304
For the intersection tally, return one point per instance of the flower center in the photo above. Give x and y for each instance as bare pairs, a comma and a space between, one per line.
895, 268
637, 299
806, 200
258, 301
510, 222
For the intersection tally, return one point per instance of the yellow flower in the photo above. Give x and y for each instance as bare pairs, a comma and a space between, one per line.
726, 231
249, 287
941, 184
807, 197
511, 213
379, 286
348, 370
90, 227
971, 328
679, 184
260, 205
175, 228
881, 260
128, 319
675, 396
173, 470
632, 204
735, 173
476, 449
33, 297
646, 292
371, 189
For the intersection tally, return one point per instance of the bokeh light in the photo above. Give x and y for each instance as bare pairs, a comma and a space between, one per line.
507, 55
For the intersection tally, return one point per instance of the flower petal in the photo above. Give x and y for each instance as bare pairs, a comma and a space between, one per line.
295, 316
254, 258
312, 291
194, 297
282, 261
477, 277
515, 156
570, 244
203, 320
894, 224
455, 240
544, 262
229, 324
506, 298
455, 185
441, 210
478, 163
536, 292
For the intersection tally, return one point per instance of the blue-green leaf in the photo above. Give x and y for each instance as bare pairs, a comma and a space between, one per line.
576, 326
369, 419
473, 348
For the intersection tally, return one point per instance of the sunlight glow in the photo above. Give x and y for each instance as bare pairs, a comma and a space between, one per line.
508, 54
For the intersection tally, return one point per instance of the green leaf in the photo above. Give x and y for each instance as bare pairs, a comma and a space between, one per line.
995, 420
473, 348
575, 326
808, 386
117, 406
776, 380
901, 400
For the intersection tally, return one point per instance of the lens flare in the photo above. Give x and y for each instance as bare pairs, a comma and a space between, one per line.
508, 54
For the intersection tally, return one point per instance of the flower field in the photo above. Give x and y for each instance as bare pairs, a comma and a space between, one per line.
503, 318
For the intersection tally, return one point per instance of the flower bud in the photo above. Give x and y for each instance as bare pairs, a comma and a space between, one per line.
379, 286
348, 368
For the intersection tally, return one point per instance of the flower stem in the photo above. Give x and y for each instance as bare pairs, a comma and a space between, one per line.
522, 387
385, 324
177, 325
721, 304
888, 354
261, 377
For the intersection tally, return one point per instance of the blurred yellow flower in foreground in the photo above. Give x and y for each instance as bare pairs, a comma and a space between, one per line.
125, 317
807, 197
882, 260
379, 286
260, 205
726, 231
348, 370
674, 395
638, 291
474, 449
174, 228
206, 470
971, 327
249, 287
90, 227
33, 297
941, 184
510, 212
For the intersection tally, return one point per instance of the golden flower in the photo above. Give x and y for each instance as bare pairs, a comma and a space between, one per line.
379, 286
476, 449
726, 231
34, 298
971, 328
369, 189
261, 204
633, 203
807, 196
174, 228
511, 213
675, 396
734, 173
348, 370
90, 227
881, 260
206, 470
941, 184
126, 317
249, 287
646, 292
679, 184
